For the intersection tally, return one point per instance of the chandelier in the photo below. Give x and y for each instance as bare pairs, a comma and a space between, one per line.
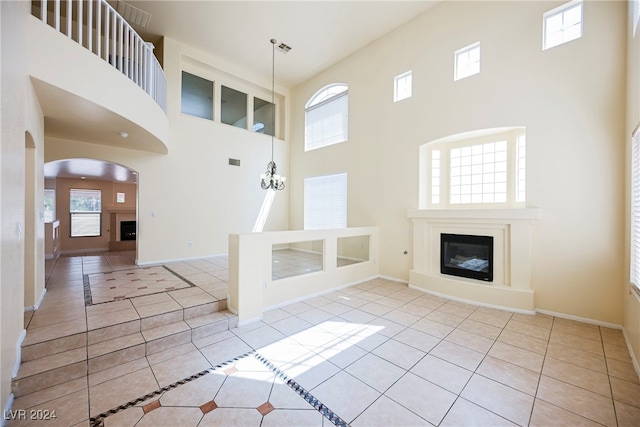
271, 178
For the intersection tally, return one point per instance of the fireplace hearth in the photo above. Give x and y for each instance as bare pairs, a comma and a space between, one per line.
468, 256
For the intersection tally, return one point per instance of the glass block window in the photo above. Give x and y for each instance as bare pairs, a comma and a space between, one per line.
521, 168
479, 173
435, 177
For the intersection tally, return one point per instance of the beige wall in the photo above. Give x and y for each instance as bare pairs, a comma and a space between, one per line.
109, 189
20, 115
191, 199
569, 98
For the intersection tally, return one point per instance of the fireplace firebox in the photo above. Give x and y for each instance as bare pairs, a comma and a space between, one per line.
127, 230
467, 256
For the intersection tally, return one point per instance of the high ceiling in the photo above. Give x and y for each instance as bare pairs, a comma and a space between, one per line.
236, 35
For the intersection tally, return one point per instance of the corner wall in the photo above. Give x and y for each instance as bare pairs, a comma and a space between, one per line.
571, 99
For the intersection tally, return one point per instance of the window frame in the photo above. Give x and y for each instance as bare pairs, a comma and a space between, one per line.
323, 98
466, 51
634, 237
82, 213
515, 181
398, 94
561, 10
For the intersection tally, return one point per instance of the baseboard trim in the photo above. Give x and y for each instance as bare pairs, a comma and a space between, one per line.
16, 365
634, 361
580, 319
166, 261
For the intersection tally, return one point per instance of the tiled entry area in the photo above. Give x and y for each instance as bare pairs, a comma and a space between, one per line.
377, 353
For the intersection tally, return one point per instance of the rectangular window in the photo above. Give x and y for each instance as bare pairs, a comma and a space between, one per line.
326, 122
402, 86
86, 212
635, 4
233, 110
49, 204
467, 61
264, 117
479, 173
435, 177
521, 168
635, 211
562, 24
197, 96
325, 202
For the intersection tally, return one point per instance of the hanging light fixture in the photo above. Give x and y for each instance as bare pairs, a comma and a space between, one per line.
271, 178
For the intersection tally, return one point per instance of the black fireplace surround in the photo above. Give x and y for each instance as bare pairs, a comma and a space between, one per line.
466, 255
127, 230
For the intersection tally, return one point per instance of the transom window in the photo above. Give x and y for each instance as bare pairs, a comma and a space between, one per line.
402, 86
326, 117
325, 202
562, 24
467, 61
85, 207
467, 171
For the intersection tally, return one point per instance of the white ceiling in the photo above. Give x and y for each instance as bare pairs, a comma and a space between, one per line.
237, 33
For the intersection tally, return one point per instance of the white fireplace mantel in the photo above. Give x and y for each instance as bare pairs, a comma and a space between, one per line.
512, 232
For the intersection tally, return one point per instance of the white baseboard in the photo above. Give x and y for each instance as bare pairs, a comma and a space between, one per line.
84, 251
167, 261
395, 279
35, 307
580, 319
16, 365
636, 366
7, 407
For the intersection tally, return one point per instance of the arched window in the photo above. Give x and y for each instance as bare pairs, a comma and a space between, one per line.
326, 117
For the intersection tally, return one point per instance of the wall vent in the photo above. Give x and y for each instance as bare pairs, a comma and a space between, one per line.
284, 48
234, 162
133, 15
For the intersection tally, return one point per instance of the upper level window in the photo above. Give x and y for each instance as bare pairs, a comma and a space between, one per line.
233, 109
326, 117
467, 61
197, 96
562, 24
402, 86
482, 169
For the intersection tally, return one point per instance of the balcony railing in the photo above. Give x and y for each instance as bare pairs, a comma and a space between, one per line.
97, 26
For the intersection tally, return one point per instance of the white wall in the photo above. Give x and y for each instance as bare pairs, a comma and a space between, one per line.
569, 98
19, 113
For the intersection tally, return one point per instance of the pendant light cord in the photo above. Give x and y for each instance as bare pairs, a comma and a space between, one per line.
273, 91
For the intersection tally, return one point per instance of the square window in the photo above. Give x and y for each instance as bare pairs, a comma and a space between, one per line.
467, 61
402, 86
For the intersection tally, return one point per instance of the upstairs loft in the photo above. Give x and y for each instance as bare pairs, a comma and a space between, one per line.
95, 77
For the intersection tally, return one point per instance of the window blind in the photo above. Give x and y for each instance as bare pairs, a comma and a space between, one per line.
325, 202
327, 123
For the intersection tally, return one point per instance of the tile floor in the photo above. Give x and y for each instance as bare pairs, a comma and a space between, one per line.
374, 354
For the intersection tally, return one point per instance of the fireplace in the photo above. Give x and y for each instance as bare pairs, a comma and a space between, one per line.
467, 256
127, 230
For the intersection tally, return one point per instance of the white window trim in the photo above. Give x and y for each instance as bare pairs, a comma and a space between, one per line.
397, 95
558, 10
456, 56
312, 104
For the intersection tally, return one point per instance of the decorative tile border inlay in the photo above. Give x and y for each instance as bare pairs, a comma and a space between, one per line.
264, 409
86, 284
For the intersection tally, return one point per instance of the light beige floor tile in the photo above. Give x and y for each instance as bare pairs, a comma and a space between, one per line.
293, 418
50, 332
518, 356
345, 395
527, 329
573, 327
118, 371
493, 318
465, 413
444, 317
43, 396
180, 367
245, 389
196, 392
375, 372
183, 417
470, 340
622, 370
416, 339
578, 376
575, 341
284, 397
399, 354
385, 412
309, 371
225, 350
547, 415
499, 399
577, 400
612, 336
442, 373
617, 352
459, 355
117, 391
431, 327
506, 373
526, 342
627, 415
625, 391
65, 411
421, 397
232, 417
578, 357
127, 418
387, 327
